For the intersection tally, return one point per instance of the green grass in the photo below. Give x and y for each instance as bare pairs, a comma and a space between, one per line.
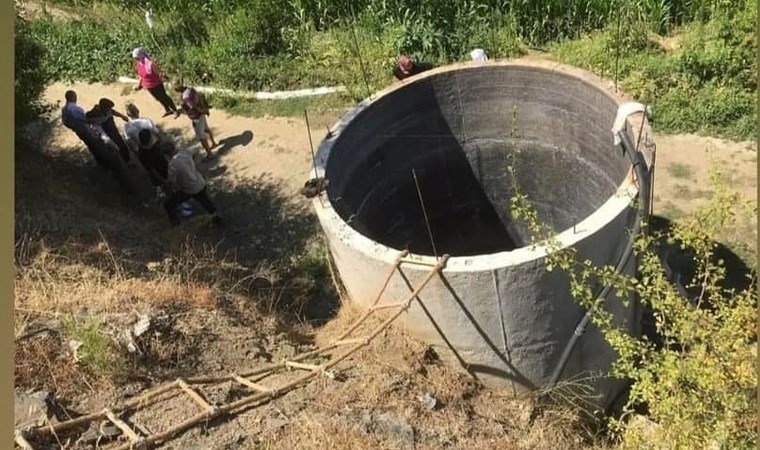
705, 85
97, 352
679, 170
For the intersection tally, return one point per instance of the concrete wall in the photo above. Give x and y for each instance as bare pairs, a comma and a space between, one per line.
500, 313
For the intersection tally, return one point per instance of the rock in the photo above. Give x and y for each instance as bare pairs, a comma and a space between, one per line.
396, 426
428, 400
275, 423
30, 410
288, 350
142, 325
74, 346
103, 431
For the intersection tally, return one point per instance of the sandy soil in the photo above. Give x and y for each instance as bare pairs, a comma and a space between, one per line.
278, 146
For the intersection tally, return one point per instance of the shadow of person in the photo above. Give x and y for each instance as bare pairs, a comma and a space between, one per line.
228, 143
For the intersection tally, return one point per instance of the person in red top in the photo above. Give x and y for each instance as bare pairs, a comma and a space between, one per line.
195, 106
150, 79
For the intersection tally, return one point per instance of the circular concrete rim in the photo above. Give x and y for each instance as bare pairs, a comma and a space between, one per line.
612, 208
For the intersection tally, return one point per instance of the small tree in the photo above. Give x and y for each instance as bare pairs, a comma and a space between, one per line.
699, 385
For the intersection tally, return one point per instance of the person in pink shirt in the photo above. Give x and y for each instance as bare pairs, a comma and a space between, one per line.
150, 79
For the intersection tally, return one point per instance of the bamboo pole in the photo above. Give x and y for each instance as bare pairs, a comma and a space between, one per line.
194, 395
366, 315
133, 436
143, 398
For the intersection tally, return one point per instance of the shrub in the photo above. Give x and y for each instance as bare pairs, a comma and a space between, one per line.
30, 75
698, 386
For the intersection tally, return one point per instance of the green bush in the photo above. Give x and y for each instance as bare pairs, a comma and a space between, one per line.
698, 386
271, 44
82, 50
30, 75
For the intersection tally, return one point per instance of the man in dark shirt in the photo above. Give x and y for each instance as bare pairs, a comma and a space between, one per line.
75, 119
103, 114
151, 156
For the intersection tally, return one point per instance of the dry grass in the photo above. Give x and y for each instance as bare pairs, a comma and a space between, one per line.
42, 363
388, 377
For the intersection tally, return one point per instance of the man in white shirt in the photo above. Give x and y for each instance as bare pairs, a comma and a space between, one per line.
185, 182
135, 125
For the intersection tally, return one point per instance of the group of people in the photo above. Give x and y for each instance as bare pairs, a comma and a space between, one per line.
173, 173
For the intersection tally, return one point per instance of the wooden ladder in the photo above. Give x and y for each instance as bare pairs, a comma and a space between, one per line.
259, 393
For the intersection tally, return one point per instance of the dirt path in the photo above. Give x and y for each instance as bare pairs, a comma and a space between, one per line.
279, 146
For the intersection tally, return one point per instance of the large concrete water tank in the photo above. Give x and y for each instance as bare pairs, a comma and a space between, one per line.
495, 309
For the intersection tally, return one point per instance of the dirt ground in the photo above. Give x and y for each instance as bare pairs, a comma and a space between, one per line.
278, 146
377, 403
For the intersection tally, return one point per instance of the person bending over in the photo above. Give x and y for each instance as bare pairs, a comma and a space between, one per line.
185, 182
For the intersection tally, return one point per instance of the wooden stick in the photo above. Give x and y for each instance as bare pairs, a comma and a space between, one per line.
251, 384
296, 365
134, 437
377, 298
83, 420
436, 270
313, 368
21, 440
262, 370
418, 262
350, 341
194, 395
388, 306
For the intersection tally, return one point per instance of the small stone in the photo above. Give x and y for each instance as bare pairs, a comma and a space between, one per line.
396, 426
30, 410
428, 401
74, 346
288, 350
142, 325
103, 431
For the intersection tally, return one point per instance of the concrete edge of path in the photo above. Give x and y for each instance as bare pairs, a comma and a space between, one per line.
277, 95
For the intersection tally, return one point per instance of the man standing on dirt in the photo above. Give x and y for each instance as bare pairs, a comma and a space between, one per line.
75, 119
195, 106
185, 182
103, 114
